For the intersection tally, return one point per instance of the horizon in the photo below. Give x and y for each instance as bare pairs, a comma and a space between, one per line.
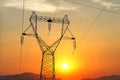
30, 73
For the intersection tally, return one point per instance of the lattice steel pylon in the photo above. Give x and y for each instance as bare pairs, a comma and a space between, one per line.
48, 51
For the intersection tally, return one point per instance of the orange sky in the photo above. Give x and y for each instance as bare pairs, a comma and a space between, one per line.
97, 54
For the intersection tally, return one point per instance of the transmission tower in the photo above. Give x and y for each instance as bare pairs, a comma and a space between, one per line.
48, 51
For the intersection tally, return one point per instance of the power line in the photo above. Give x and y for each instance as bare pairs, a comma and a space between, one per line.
97, 16
91, 6
91, 25
23, 6
20, 58
56, 8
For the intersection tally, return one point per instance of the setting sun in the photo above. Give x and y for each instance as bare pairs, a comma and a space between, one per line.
65, 66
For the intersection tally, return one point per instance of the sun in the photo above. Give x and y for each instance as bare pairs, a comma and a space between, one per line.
65, 66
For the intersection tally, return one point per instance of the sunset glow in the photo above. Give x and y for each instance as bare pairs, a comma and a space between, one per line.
97, 36
65, 66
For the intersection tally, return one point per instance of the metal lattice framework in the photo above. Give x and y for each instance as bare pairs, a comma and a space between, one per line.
48, 51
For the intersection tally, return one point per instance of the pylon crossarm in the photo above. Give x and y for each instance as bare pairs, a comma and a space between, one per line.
67, 38
49, 19
46, 19
31, 35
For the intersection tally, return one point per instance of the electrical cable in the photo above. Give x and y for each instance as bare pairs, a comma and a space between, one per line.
56, 8
23, 6
91, 25
53, 16
20, 59
89, 28
91, 6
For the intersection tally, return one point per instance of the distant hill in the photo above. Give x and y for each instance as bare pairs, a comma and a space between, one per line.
112, 77
23, 76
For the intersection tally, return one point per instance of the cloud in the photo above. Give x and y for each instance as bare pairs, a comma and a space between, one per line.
107, 4
37, 5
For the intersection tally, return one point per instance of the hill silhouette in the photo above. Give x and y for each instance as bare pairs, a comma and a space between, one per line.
23, 76
112, 77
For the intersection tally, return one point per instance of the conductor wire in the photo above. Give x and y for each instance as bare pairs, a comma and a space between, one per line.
56, 8
20, 59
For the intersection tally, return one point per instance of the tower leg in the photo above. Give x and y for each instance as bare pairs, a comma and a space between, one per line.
47, 66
